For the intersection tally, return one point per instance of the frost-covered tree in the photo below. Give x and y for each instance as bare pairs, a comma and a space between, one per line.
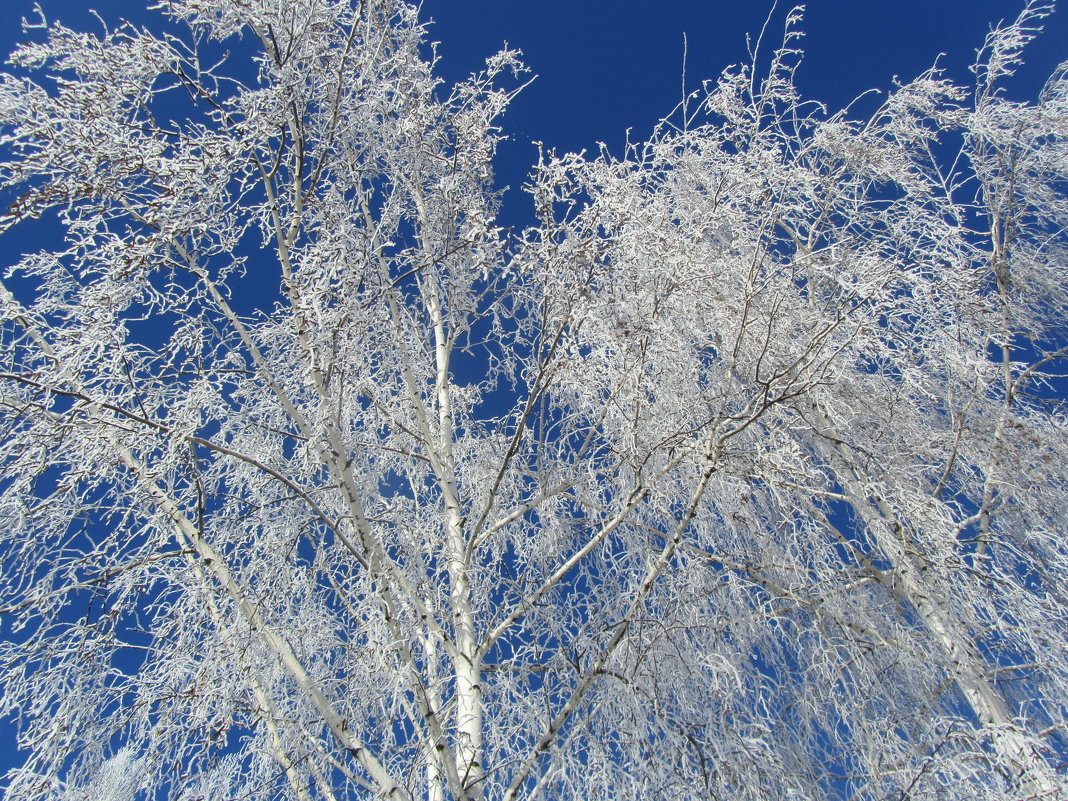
740, 475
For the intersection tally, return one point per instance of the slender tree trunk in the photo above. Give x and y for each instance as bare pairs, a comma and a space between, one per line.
467, 663
1032, 777
434, 770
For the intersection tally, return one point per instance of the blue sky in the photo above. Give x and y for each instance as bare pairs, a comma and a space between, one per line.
604, 66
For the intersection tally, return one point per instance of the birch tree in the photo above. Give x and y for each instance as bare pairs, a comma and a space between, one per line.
740, 474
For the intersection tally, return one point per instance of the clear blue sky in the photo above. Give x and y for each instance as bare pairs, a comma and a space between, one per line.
608, 65
604, 66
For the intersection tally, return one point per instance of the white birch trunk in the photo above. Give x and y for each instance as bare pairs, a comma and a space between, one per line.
1033, 777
